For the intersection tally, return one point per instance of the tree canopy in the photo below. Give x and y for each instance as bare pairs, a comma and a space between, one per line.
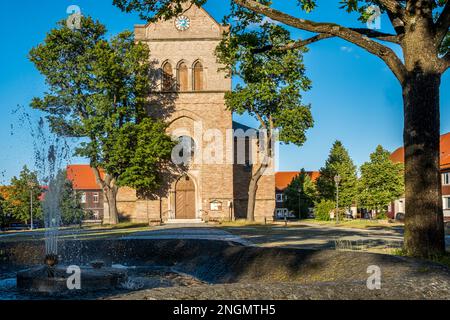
24, 189
338, 163
381, 181
98, 90
301, 194
72, 212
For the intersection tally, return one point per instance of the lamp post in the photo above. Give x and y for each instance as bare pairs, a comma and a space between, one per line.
31, 185
299, 201
337, 180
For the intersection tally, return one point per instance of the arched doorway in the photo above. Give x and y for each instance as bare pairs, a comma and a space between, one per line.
185, 198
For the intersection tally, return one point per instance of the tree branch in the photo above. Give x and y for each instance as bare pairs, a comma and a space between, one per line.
294, 45
445, 62
443, 23
378, 35
393, 6
261, 120
98, 177
363, 41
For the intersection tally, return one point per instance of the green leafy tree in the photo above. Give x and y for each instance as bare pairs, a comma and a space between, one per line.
24, 190
301, 194
98, 91
338, 163
381, 181
421, 32
3, 217
143, 168
71, 209
270, 91
323, 208
5, 212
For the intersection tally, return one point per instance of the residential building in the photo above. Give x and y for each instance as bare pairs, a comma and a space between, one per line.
282, 181
397, 209
92, 197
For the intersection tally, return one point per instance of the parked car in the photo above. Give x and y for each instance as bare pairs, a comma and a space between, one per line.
281, 214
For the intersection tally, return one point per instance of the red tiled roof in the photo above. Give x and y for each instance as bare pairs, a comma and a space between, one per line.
44, 191
82, 177
398, 155
283, 179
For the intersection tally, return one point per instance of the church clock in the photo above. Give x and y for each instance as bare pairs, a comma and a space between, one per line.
182, 23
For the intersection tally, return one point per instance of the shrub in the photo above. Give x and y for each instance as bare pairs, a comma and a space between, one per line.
382, 215
323, 209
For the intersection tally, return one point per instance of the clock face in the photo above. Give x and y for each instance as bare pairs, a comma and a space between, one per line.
182, 23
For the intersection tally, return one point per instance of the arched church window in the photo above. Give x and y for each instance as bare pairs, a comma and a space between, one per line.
182, 77
167, 77
185, 150
198, 76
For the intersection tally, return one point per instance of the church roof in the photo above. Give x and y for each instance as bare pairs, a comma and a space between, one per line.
197, 11
238, 125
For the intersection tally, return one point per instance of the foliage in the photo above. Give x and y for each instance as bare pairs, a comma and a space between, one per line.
301, 194
151, 147
24, 189
323, 209
270, 91
3, 215
338, 162
98, 90
272, 81
381, 181
72, 212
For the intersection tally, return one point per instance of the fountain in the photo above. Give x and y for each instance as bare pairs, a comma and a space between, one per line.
55, 276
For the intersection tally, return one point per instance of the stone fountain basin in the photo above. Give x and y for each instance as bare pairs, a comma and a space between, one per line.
37, 280
224, 262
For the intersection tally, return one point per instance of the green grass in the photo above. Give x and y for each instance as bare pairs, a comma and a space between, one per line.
443, 259
244, 223
356, 224
120, 226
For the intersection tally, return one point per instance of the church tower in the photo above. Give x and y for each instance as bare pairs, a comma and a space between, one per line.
189, 94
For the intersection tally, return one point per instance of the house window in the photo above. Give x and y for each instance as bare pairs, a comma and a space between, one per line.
446, 203
83, 197
279, 197
182, 77
96, 214
446, 178
95, 197
167, 77
198, 76
186, 147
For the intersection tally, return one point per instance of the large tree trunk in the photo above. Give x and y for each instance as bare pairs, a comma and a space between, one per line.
424, 221
111, 196
110, 190
265, 138
252, 190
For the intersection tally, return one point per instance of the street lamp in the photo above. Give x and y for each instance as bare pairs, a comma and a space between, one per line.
31, 184
299, 201
337, 180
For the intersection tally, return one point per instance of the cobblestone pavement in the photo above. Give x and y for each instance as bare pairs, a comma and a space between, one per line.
200, 232
430, 288
320, 237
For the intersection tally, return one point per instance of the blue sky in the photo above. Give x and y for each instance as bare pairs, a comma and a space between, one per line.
354, 98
